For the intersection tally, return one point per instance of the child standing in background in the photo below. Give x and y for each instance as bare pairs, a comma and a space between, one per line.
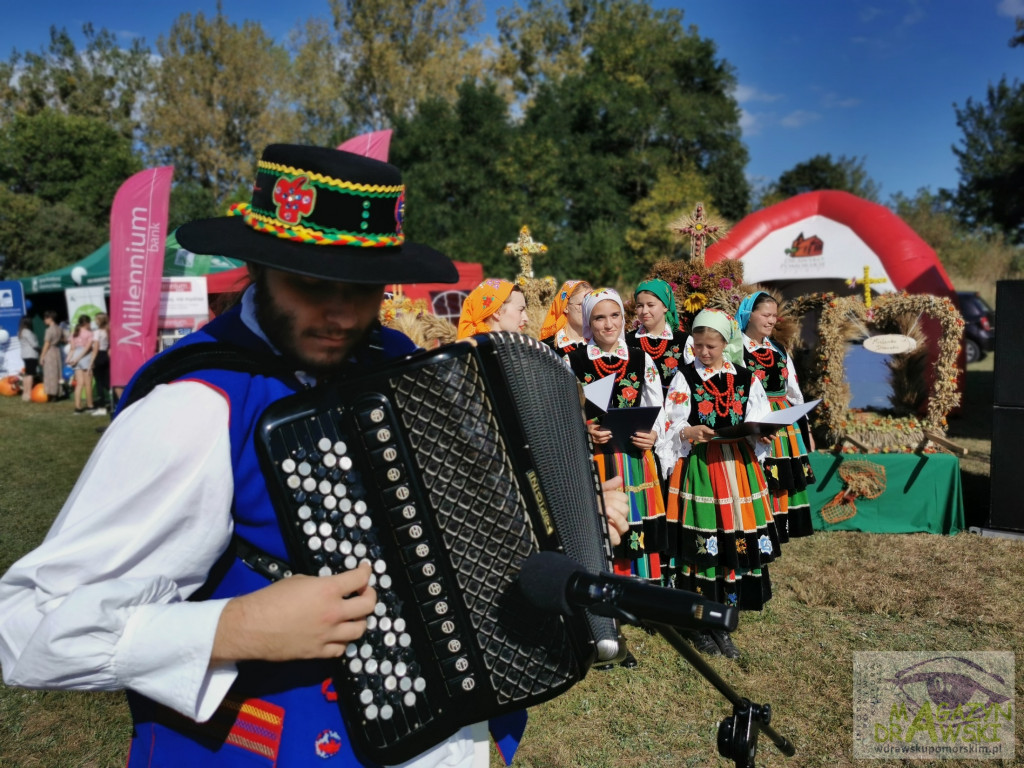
721, 530
636, 384
787, 467
659, 335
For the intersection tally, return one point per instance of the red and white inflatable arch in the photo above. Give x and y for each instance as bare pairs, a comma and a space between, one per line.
830, 235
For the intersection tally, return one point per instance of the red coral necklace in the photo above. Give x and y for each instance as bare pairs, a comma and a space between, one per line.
654, 350
603, 368
723, 400
765, 358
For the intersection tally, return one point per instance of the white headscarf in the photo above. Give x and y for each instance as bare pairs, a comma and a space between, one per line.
591, 300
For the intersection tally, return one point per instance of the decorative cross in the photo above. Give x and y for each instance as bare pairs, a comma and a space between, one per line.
867, 283
699, 229
525, 248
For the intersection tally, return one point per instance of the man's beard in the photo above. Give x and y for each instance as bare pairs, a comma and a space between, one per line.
279, 327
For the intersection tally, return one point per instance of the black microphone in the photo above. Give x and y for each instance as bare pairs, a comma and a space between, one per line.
557, 584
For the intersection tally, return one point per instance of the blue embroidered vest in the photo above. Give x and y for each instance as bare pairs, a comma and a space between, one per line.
276, 714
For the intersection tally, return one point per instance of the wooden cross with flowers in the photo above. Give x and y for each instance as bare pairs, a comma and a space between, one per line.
700, 230
525, 248
867, 282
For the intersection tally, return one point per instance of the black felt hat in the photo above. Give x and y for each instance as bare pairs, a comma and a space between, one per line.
324, 213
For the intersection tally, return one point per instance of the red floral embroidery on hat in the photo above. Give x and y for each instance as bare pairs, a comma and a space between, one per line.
294, 199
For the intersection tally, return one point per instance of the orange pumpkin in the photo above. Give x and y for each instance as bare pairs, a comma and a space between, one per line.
39, 393
10, 386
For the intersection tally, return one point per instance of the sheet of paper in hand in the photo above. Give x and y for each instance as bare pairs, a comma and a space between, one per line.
599, 396
768, 425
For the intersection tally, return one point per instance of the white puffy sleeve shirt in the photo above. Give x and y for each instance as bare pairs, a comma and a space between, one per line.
101, 603
671, 446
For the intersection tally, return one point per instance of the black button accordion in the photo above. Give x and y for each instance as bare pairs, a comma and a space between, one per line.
444, 471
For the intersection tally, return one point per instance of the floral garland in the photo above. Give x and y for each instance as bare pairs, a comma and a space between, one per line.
696, 286
843, 319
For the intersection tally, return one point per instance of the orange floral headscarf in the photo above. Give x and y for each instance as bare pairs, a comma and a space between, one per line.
556, 318
482, 302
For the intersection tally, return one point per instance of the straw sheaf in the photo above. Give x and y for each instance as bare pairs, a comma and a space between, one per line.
327, 181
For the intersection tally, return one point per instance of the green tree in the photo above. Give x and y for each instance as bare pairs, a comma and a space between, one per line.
977, 258
37, 236
396, 54
651, 103
104, 80
465, 195
673, 193
319, 90
822, 172
74, 160
990, 194
222, 93
543, 42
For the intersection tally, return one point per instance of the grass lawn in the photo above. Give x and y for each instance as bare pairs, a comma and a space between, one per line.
835, 594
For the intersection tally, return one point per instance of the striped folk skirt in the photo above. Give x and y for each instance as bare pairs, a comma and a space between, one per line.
639, 553
788, 472
721, 527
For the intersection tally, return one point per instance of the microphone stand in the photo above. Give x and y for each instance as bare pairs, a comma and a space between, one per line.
737, 734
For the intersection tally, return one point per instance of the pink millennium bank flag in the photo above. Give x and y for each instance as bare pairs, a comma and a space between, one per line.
138, 231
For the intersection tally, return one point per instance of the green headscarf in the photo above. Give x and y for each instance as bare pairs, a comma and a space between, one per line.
724, 323
663, 291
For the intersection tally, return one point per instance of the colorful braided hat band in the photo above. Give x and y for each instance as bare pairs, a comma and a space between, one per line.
294, 204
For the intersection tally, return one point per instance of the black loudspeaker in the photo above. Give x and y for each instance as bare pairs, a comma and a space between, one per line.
1007, 511
1009, 351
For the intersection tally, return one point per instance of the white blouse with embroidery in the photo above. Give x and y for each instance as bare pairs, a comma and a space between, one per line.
676, 413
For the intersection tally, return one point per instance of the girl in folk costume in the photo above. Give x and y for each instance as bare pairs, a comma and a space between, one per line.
494, 305
563, 327
659, 335
787, 467
721, 531
636, 384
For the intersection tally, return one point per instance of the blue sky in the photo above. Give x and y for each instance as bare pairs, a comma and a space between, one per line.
872, 79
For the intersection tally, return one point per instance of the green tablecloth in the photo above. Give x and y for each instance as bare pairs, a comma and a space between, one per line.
922, 494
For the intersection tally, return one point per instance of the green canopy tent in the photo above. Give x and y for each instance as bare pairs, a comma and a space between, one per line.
94, 269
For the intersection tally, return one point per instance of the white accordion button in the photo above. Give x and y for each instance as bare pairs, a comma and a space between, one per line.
288, 466
304, 512
371, 712
330, 460
324, 445
304, 468
315, 543
293, 481
340, 448
409, 699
